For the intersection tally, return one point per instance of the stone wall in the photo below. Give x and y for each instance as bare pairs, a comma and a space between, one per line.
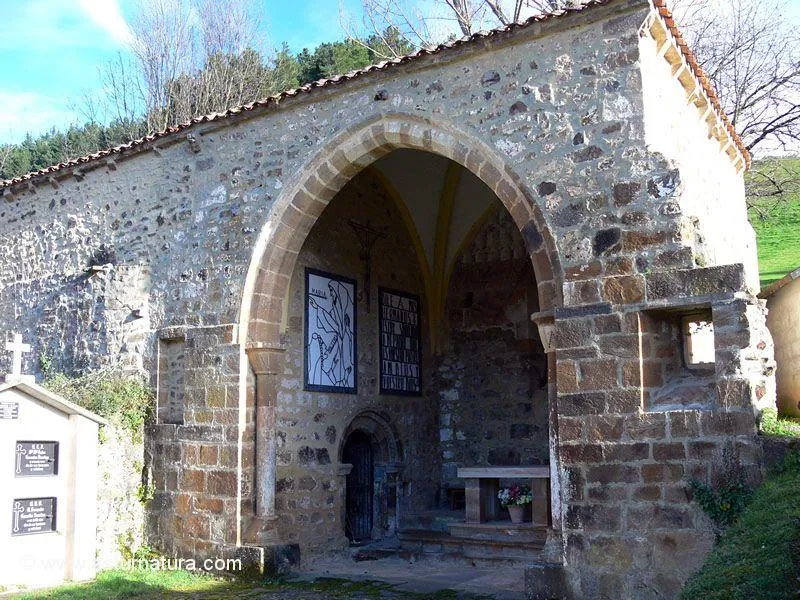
492, 375
705, 185
312, 425
626, 463
200, 465
121, 493
204, 227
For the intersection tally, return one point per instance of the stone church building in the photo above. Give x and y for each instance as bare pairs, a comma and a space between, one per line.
367, 302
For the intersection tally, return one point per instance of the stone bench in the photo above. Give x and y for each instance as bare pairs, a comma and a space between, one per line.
483, 483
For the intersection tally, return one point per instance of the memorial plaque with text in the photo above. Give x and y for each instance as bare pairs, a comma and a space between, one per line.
400, 346
36, 459
9, 410
33, 515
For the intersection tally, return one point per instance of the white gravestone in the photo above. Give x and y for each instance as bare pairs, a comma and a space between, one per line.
48, 483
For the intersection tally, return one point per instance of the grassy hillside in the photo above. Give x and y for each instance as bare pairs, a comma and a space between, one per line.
759, 556
777, 224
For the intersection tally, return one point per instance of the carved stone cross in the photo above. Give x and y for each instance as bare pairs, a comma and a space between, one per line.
18, 349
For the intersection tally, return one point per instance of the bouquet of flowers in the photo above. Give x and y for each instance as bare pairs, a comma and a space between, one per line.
515, 496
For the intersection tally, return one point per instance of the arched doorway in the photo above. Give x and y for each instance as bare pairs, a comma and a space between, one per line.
371, 457
306, 235
357, 452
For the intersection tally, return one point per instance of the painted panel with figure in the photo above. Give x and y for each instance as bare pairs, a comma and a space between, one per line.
330, 342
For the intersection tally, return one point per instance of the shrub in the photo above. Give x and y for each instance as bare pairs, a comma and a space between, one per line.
123, 400
773, 424
725, 500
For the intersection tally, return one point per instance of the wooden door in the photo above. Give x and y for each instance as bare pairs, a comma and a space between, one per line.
358, 452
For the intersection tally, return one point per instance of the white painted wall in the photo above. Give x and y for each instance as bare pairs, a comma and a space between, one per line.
711, 195
69, 552
783, 321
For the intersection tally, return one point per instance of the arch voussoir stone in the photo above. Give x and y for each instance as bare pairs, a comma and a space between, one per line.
359, 146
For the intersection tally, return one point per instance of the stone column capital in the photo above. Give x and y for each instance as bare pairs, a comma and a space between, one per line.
265, 359
545, 321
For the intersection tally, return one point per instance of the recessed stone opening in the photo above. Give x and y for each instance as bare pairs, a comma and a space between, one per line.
676, 360
697, 333
171, 387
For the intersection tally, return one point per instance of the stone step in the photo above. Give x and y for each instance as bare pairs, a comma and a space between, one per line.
433, 520
501, 531
376, 549
436, 543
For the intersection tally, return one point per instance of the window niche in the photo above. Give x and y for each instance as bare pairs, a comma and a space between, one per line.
171, 370
677, 360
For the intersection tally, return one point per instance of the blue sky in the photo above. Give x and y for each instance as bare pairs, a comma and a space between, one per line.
50, 51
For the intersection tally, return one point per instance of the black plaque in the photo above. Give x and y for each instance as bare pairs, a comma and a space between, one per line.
400, 344
36, 459
30, 516
9, 410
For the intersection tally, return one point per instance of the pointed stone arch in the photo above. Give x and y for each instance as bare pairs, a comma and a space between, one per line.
315, 185
378, 427
293, 216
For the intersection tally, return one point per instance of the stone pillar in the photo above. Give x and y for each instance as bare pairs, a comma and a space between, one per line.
545, 322
267, 364
342, 471
393, 473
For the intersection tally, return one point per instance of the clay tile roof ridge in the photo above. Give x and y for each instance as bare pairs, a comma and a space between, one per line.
325, 82
691, 60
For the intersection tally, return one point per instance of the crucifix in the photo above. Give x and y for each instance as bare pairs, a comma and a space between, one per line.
17, 348
367, 237
20, 453
17, 511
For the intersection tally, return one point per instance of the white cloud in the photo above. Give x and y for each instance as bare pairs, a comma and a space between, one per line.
47, 25
29, 112
108, 16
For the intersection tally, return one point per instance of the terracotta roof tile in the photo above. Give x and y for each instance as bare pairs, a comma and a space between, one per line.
690, 58
382, 66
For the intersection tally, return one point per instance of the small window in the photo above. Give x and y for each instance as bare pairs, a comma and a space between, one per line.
698, 341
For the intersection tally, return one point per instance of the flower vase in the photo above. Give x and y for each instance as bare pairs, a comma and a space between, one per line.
517, 512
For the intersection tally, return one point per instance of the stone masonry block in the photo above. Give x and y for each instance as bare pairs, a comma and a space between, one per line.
646, 426
650, 517
611, 473
728, 423
709, 281
581, 404
575, 333
598, 375
662, 473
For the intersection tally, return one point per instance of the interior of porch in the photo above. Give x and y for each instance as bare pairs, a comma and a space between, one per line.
411, 458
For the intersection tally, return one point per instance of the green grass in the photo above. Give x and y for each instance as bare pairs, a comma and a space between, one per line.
759, 556
124, 584
773, 424
117, 584
776, 223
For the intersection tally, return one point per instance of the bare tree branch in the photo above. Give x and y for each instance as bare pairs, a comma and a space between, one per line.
425, 23
751, 52
189, 57
5, 152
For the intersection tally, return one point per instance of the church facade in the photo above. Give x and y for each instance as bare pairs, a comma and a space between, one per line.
525, 249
